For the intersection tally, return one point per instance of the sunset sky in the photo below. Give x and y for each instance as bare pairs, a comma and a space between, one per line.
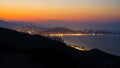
70, 10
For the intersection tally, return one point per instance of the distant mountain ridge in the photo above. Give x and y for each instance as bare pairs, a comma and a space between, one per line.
12, 25
6, 24
21, 50
101, 28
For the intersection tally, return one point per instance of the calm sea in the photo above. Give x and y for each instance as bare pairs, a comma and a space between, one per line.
109, 44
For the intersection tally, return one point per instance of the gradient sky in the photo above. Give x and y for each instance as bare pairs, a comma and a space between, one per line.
75, 10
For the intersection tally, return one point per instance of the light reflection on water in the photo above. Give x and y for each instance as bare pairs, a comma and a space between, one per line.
109, 44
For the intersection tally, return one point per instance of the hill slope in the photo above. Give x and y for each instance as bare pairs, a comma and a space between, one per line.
20, 50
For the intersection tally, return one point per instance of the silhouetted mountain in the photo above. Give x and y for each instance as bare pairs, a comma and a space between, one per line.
21, 50
21, 24
60, 29
6, 24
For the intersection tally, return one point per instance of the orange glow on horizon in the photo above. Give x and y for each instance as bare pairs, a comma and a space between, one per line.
51, 11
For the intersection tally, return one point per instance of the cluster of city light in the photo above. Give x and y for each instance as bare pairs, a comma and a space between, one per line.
74, 34
30, 32
27, 31
57, 33
78, 47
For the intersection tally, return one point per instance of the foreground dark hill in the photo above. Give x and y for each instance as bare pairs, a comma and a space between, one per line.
20, 50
